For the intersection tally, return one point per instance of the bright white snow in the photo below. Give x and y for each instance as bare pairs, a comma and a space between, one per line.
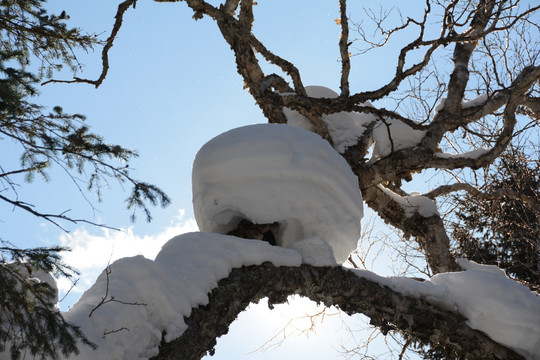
278, 173
505, 310
413, 203
188, 267
473, 154
345, 128
268, 173
479, 100
393, 135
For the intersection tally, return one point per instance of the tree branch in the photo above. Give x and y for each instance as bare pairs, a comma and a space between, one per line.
332, 286
429, 232
51, 217
462, 54
122, 8
344, 48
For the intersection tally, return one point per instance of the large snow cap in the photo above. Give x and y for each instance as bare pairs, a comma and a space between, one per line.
278, 173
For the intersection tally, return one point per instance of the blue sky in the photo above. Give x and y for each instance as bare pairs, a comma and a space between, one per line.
172, 86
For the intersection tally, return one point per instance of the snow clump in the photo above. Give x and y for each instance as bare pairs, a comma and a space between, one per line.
345, 128
270, 173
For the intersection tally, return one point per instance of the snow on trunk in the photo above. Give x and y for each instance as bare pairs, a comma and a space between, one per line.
270, 173
393, 135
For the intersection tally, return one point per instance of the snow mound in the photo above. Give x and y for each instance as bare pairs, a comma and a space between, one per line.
277, 173
153, 297
502, 308
345, 128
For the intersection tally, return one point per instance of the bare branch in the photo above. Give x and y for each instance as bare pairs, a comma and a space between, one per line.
246, 14
230, 7
285, 65
21, 171
462, 53
497, 195
51, 217
448, 189
122, 8
344, 48
105, 299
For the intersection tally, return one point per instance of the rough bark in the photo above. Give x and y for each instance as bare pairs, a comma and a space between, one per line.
332, 286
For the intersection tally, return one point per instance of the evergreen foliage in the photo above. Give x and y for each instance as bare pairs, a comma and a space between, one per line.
504, 229
29, 321
31, 38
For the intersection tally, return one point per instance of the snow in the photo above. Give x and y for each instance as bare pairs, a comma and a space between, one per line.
393, 135
315, 251
473, 154
439, 106
479, 100
188, 267
269, 173
413, 203
345, 128
508, 312
278, 173
162, 292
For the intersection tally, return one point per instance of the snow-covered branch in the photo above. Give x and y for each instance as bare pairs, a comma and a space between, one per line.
477, 313
333, 286
419, 219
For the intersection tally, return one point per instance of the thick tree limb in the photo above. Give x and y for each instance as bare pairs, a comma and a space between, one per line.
462, 54
332, 286
429, 232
